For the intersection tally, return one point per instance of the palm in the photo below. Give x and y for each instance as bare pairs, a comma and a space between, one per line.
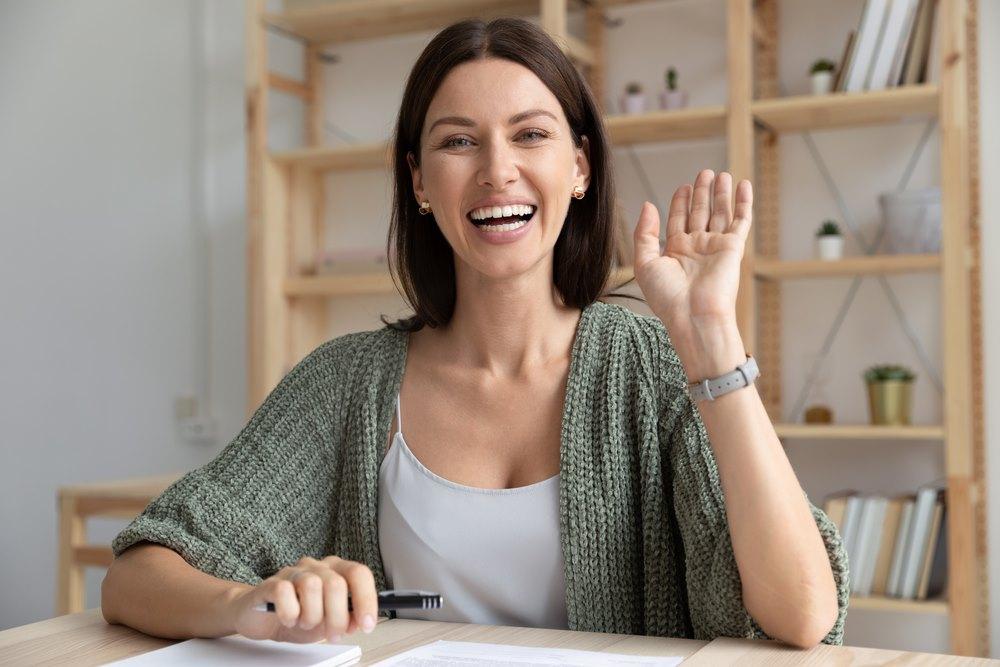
696, 277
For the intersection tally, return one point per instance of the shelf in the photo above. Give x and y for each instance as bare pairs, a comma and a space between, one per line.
376, 281
672, 125
857, 432
337, 158
894, 604
363, 19
773, 269
820, 112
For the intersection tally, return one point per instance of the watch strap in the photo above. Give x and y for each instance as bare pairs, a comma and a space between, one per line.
712, 388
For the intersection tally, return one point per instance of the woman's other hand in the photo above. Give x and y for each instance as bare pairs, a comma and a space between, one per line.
310, 600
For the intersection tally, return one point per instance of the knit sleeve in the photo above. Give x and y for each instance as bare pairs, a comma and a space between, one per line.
271, 496
714, 588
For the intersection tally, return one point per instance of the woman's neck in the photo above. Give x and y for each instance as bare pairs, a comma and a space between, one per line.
509, 327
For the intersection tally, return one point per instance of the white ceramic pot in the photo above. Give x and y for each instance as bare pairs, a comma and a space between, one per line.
829, 247
633, 103
822, 82
673, 99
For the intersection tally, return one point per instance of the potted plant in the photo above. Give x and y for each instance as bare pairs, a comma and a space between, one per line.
829, 242
673, 97
889, 393
821, 73
634, 99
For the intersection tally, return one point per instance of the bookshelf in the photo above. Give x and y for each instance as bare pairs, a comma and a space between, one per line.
289, 307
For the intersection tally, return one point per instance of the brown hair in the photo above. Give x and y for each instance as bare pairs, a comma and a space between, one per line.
421, 259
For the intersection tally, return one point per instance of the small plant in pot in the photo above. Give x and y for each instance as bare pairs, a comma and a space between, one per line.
889, 393
829, 242
634, 99
673, 97
821, 74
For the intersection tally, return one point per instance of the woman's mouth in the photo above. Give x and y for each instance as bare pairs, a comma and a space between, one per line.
502, 218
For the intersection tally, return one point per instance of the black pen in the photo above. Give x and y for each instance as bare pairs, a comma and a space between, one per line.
391, 601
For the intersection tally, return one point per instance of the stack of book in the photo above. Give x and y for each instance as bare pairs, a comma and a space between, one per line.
896, 547
894, 45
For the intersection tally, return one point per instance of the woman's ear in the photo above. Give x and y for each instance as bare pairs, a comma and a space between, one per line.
582, 177
418, 181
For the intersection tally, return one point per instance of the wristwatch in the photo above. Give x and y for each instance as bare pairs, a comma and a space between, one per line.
712, 388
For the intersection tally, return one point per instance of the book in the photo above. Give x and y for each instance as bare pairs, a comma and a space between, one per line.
937, 582
917, 546
899, 548
849, 533
869, 537
919, 46
890, 530
840, 79
892, 44
236, 650
932, 73
834, 507
933, 539
869, 30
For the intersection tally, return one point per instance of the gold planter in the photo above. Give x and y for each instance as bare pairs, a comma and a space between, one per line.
889, 402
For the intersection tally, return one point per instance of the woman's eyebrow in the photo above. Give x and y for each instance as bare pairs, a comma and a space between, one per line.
453, 120
530, 113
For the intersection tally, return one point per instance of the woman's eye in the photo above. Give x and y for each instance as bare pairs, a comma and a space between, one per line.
533, 135
457, 142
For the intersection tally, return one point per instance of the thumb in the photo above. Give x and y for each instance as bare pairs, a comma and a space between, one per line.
647, 235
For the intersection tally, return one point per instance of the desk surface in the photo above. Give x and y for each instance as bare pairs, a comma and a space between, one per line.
85, 639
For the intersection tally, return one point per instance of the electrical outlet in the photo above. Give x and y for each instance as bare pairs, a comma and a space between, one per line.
198, 430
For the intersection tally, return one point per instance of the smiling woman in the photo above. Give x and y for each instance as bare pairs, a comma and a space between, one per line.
559, 466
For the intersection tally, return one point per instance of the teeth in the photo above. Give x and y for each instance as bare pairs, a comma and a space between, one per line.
488, 212
506, 227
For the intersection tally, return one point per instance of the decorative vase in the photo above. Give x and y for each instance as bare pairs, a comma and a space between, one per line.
673, 99
889, 402
633, 103
829, 247
822, 82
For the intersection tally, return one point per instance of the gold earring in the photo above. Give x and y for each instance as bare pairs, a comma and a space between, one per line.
425, 208
579, 192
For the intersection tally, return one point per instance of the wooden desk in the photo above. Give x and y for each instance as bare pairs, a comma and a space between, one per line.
85, 639
121, 499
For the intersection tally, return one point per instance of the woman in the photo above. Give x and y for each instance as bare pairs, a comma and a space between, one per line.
533, 454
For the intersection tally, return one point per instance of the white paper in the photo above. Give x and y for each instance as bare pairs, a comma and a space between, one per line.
236, 650
471, 654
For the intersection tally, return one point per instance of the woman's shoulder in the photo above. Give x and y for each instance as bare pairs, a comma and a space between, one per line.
375, 354
602, 319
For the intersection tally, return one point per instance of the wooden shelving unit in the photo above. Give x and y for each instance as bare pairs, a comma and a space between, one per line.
288, 307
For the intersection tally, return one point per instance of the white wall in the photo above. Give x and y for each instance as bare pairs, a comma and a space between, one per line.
122, 242
121, 254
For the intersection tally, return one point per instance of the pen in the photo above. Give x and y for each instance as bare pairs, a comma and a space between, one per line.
390, 601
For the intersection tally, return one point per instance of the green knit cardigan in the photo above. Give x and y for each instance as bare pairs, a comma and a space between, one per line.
646, 548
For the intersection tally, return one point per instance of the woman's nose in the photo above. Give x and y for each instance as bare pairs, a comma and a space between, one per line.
498, 167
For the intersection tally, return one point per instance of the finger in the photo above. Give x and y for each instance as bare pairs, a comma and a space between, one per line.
680, 207
647, 236
701, 202
309, 589
722, 207
744, 209
364, 596
286, 602
335, 605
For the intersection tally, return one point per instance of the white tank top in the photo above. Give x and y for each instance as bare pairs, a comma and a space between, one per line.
493, 554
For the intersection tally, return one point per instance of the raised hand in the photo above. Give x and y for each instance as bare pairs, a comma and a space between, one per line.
691, 286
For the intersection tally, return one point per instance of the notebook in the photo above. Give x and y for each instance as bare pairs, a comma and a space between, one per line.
236, 650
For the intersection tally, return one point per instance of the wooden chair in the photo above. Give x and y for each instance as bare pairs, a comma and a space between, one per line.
122, 499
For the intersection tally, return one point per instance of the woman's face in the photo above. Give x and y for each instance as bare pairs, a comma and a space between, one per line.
498, 166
